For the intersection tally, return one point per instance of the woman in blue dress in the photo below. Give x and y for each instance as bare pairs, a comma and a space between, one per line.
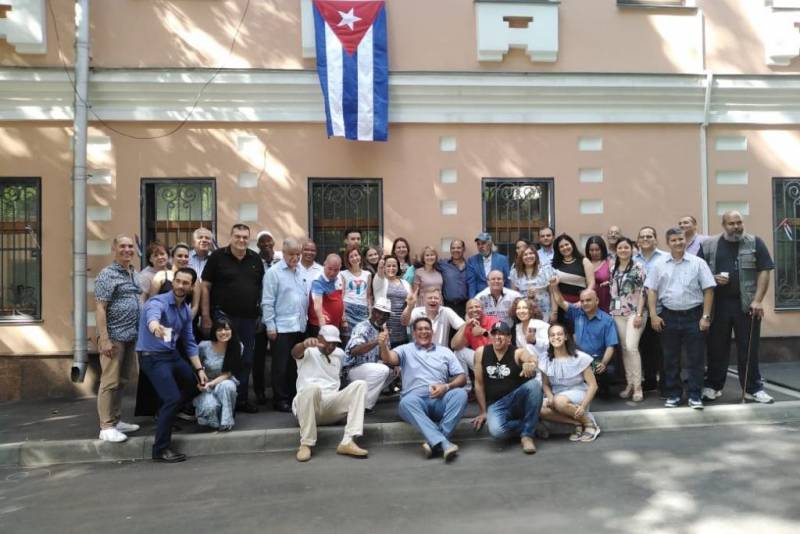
215, 405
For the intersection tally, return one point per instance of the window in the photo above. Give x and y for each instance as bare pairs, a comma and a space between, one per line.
336, 205
657, 3
20, 255
516, 209
786, 210
173, 209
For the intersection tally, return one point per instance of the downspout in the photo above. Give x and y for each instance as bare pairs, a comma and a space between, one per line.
704, 126
80, 358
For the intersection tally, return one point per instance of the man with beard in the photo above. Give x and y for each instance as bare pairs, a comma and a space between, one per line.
454, 278
545, 252
741, 265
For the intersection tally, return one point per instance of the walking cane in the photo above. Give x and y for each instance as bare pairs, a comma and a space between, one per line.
749, 347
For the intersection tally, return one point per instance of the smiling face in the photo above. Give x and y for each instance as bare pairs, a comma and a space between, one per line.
391, 268
565, 248
457, 249
433, 299
500, 341
429, 257
124, 250
677, 243
401, 250
530, 258
687, 224
423, 333
589, 301
202, 241
180, 258
309, 252
181, 284
239, 240
484, 247
354, 259
557, 336
647, 239
224, 333
332, 267
474, 309
522, 310
495, 282
291, 255
546, 237
373, 257
266, 246
595, 252
624, 250
159, 258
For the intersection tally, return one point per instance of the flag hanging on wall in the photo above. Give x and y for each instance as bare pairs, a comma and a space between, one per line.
353, 67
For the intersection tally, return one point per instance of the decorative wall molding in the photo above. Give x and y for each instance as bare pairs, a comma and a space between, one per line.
45, 94
25, 26
780, 32
537, 32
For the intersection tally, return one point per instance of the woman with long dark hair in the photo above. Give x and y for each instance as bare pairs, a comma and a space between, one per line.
575, 273
221, 357
597, 254
569, 385
628, 311
402, 251
355, 287
371, 258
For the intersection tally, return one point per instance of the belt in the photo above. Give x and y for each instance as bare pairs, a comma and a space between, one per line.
158, 353
690, 311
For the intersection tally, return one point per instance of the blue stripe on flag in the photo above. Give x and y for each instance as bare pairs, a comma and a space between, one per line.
350, 94
380, 99
322, 65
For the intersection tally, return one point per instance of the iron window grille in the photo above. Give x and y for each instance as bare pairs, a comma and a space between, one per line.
335, 205
786, 211
515, 209
20, 253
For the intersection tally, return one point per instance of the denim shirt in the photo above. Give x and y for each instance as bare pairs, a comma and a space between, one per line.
284, 301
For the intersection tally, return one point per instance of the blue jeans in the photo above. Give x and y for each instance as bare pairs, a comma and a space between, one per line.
516, 414
246, 330
682, 330
434, 418
175, 382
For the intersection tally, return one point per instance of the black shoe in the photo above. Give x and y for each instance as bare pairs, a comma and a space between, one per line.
169, 456
247, 407
649, 386
282, 406
261, 399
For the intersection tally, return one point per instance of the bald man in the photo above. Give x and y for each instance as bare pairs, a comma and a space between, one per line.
741, 265
595, 332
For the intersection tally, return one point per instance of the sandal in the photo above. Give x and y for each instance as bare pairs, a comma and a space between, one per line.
638, 396
626, 393
590, 433
577, 433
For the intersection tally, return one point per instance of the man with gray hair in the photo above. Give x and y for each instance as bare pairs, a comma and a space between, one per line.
741, 265
284, 312
688, 224
202, 242
481, 264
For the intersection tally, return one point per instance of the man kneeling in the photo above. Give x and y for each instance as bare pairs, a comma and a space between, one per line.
319, 401
504, 380
428, 401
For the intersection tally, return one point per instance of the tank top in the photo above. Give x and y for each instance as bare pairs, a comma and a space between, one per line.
569, 291
500, 377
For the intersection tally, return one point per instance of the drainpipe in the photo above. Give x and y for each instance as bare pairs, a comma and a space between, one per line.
704, 125
80, 358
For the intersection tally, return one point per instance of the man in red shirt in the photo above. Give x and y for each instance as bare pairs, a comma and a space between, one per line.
325, 300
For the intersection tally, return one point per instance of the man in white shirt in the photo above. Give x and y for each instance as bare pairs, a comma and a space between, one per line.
545, 252
308, 267
319, 400
496, 299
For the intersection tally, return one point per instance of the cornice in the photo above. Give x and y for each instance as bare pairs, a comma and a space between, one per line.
45, 94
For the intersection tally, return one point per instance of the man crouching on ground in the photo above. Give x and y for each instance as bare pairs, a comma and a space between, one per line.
429, 402
319, 401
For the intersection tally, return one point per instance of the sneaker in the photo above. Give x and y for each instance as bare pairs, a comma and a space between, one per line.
112, 435
759, 396
528, 446
695, 404
303, 453
427, 451
351, 449
672, 402
126, 427
184, 416
450, 453
711, 394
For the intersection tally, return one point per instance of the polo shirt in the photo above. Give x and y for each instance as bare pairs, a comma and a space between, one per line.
422, 367
593, 335
235, 283
332, 304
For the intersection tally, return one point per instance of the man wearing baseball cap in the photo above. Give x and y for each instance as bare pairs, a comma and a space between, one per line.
319, 400
481, 264
362, 353
508, 396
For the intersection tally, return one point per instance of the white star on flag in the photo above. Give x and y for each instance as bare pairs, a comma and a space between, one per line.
348, 19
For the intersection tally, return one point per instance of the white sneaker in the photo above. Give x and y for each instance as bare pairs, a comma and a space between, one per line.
711, 394
760, 396
124, 427
112, 435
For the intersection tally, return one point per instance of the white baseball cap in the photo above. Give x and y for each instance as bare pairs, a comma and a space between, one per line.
330, 333
383, 304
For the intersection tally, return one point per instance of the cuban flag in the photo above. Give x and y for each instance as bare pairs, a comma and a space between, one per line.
353, 67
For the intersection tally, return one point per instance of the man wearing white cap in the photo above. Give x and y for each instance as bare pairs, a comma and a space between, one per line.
319, 400
363, 353
481, 264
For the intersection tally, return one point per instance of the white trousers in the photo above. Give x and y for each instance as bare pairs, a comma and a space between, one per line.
376, 375
313, 407
467, 358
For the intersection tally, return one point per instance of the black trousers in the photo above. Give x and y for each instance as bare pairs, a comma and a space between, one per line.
651, 352
260, 353
284, 369
728, 316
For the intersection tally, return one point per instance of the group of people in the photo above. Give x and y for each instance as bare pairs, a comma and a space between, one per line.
530, 340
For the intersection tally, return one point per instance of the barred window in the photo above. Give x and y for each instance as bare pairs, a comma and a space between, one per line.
173, 209
336, 205
515, 209
786, 210
20, 254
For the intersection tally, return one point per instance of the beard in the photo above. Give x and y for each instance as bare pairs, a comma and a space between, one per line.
734, 237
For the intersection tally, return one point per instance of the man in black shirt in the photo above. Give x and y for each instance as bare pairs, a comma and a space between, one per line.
741, 265
509, 398
232, 281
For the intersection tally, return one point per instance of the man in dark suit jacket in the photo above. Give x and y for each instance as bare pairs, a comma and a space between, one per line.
485, 261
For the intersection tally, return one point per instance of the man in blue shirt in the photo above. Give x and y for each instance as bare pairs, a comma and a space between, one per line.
433, 398
481, 264
454, 278
165, 319
284, 307
595, 333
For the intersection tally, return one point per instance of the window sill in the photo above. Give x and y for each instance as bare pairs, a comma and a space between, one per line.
689, 6
20, 322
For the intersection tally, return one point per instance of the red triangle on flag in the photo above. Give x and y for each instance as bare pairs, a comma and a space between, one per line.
349, 19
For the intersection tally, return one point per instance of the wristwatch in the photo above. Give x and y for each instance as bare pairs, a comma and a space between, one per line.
201, 368
706, 317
